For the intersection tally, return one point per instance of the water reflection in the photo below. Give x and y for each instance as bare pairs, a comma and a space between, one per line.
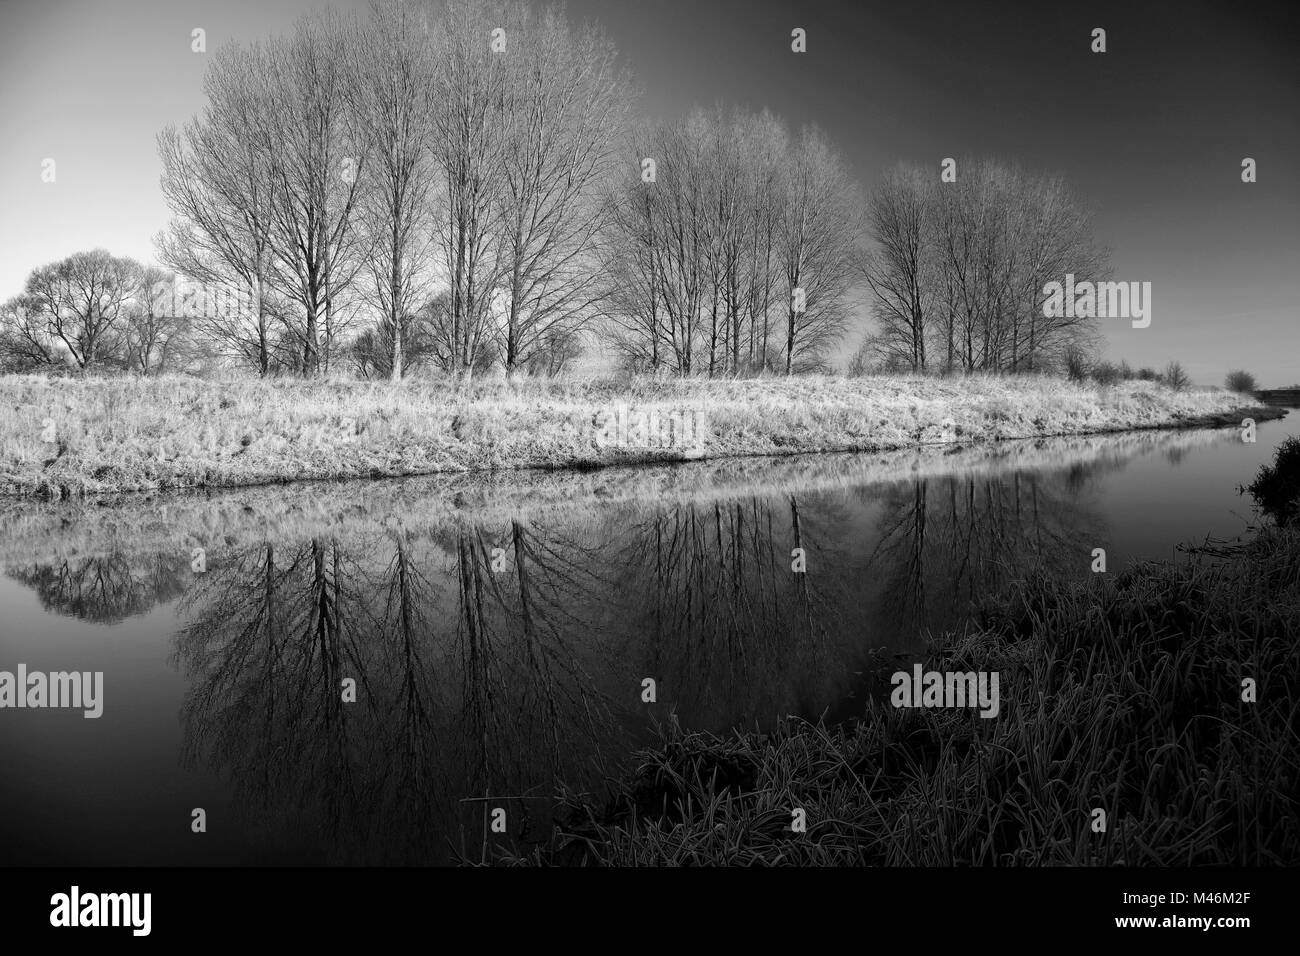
498, 634
470, 682
106, 589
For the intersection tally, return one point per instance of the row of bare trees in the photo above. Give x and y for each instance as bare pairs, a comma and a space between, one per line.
958, 270
735, 249
460, 184
489, 156
355, 166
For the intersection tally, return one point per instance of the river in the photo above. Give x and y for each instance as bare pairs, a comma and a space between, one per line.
499, 630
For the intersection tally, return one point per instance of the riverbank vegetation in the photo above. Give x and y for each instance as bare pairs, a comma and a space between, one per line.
69, 436
1124, 697
1165, 695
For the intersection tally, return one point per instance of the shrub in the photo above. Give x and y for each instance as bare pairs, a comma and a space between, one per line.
1076, 364
1276, 489
860, 363
1175, 376
1104, 373
1240, 380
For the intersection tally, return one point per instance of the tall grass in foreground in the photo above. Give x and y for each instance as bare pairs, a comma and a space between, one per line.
1121, 694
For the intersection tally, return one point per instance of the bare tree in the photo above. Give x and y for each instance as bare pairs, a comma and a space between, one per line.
629, 257
25, 340
467, 138
897, 223
565, 102
995, 237
155, 333
764, 144
819, 245
389, 98
441, 337
217, 182
675, 206
706, 258
1175, 376
1060, 239
83, 301
315, 165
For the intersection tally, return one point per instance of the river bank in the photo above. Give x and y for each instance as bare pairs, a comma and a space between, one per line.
215, 518
71, 437
1145, 719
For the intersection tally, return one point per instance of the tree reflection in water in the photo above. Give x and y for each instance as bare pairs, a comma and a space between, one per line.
498, 652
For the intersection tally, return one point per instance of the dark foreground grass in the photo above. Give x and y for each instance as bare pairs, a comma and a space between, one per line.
1121, 694
1277, 486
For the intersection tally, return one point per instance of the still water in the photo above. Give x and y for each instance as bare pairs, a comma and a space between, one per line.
498, 629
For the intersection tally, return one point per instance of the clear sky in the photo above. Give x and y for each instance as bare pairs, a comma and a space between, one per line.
1151, 133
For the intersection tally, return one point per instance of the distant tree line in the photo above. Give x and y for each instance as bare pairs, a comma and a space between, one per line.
462, 185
